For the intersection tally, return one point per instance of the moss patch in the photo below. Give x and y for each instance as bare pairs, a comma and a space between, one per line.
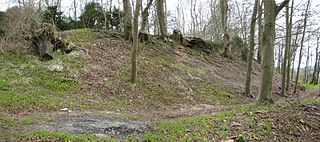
28, 84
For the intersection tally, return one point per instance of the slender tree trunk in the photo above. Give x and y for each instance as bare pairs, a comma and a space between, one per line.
281, 45
270, 14
75, 10
145, 17
294, 52
315, 69
289, 47
302, 41
260, 26
135, 41
317, 80
251, 52
128, 19
161, 19
242, 23
306, 70
192, 18
224, 21
286, 51
292, 62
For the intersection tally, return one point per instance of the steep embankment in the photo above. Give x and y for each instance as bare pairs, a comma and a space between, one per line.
93, 81
96, 76
173, 75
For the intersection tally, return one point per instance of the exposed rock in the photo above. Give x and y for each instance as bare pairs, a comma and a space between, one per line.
55, 67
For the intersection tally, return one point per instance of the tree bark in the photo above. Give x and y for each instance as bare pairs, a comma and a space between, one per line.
128, 19
286, 51
260, 26
294, 51
281, 45
75, 10
315, 69
251, 49
135, 41
306, 76
302, 41
317, 80
145, 17
161, 19
271, 11
289, 48
43, 48
224, 21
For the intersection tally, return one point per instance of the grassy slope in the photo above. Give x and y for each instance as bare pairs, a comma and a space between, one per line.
96, 77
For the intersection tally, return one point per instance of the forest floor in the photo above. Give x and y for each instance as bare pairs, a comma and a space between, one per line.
181, 94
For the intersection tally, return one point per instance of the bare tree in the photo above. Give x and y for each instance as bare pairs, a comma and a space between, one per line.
260, 26
301, 46
135, 41
294, 50
289, 47
128, 20
270, 14
315, 69
306, 77
75, 10
224, 21
286, 52
161, 18
145, 16
251, 52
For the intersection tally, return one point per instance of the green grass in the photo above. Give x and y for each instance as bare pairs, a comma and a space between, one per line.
179, 67
256, 123
312, 86
199, 128
7, 122
211, 94
60, 136
83, 36
28, 84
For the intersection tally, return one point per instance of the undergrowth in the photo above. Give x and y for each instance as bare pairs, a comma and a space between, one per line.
28, 84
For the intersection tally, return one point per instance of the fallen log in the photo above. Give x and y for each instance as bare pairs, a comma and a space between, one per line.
46, 43
144, 37
192, 42
198, 43
64, 46
42, 47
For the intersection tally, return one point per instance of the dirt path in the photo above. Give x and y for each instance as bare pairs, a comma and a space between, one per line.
103, 124
89, 124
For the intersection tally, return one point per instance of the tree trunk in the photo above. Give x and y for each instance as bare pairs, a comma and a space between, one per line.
192, 19
306, 70
260, 26
294, 52
224, 21
135, 41
251, 52
315, 69
75, 10
278, 68
128, 19
271, 11
302, 41
43, 47
289, 48
145, 17
161, 19
286, 51
317, 79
